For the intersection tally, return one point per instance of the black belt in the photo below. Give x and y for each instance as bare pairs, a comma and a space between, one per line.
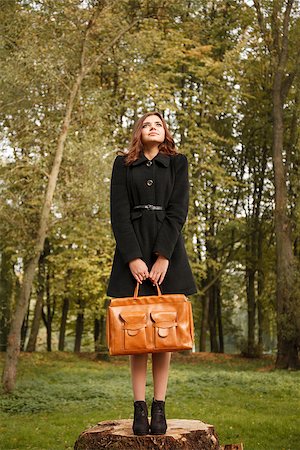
150, 207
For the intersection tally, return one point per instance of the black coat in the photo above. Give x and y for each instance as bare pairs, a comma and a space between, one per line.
139, 233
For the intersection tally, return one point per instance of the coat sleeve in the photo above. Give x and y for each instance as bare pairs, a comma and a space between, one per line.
176, 211
123, 230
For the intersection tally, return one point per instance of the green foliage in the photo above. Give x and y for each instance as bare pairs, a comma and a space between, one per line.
205, 67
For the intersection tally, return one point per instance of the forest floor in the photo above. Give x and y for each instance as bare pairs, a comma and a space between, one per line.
58, 395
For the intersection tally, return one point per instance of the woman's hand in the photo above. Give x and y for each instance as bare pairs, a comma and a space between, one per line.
159, 269
139, 269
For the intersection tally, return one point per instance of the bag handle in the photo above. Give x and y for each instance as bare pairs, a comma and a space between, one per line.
136, 291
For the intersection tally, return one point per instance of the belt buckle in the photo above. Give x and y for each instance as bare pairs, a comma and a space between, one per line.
149, 206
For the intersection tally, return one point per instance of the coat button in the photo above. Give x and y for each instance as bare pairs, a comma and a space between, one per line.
149, 182
149, 163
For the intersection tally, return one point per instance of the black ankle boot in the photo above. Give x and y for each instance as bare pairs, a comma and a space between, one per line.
140, 421
158, 423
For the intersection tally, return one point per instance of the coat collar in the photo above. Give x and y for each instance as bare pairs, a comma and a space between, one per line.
159, 158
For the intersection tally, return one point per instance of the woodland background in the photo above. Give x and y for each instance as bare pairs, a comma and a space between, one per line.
209, 67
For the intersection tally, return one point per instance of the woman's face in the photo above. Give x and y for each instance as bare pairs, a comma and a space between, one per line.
152, 130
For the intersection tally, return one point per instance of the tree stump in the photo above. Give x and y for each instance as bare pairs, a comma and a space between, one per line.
118, 435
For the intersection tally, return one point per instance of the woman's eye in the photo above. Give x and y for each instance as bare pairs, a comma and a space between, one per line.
148, 125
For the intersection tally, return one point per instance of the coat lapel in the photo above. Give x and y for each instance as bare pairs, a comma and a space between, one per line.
160, 158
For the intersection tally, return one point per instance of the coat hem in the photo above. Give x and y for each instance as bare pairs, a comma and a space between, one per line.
178, 291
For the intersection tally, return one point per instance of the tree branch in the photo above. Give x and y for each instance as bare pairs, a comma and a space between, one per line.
88, 68
102, 8
285, 35
275, 27
288, 81
262, 26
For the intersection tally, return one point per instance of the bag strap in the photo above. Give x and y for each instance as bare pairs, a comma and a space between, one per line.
136, 291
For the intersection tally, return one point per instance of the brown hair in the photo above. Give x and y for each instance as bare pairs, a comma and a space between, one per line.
136, 146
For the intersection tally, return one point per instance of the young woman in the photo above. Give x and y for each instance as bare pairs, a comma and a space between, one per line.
149, 205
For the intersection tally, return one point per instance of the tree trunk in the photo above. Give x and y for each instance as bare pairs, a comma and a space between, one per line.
50, 306
219, 315
79, 329
204, 301
102, 330
212, 255
100, 333
6, 294
250, 274
287, 270
50, 311
24, 328
31, 346
38, 306
250, 286
97, 334
213, 318
63, 324
64, 313
204, 322
14, 337
260, 289
258, 248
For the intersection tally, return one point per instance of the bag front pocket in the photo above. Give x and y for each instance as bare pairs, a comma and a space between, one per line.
134, 330
164, 325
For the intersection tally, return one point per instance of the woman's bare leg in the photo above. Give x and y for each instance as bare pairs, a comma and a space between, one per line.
138, 364
160, 372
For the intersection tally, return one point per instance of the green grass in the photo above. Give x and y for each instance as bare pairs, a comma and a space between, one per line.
60, 394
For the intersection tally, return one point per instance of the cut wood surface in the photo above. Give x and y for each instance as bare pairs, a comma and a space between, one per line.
181, 434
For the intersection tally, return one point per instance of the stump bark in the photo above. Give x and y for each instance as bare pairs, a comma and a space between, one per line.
118, 435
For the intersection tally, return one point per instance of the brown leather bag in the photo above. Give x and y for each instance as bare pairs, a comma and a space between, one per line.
149, 324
